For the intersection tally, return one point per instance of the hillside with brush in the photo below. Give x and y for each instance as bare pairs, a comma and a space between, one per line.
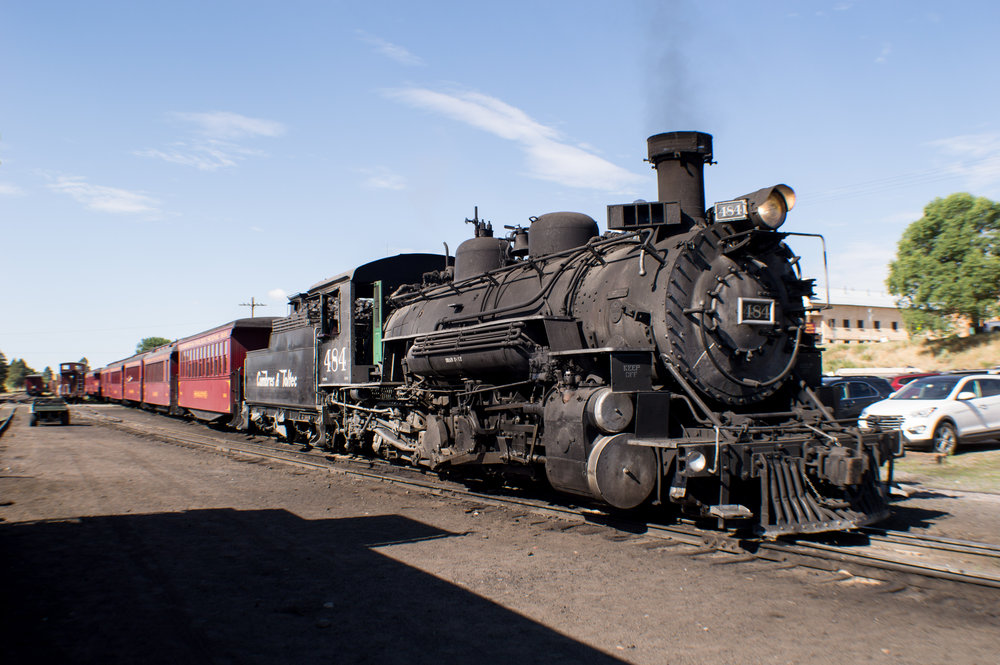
930, 355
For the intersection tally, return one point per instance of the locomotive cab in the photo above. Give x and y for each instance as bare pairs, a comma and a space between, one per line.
328, 345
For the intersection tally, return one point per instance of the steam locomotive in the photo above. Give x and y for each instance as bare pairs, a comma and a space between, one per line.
666, 361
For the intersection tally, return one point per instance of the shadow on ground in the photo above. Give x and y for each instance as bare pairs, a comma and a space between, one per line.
225, 586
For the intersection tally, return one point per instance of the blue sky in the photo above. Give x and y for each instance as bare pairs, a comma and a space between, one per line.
161, 163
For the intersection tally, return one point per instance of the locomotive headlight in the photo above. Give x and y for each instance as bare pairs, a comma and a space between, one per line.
695, 461
768, 207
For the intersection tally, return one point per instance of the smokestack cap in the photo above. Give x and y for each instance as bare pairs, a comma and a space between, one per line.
671, 145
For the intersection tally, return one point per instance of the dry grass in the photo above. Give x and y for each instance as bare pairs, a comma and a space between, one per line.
976, 468
975, 352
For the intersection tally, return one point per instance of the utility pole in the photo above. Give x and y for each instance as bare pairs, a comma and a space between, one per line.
253, 304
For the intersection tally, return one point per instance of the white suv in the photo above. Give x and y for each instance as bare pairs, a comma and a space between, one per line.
940, 411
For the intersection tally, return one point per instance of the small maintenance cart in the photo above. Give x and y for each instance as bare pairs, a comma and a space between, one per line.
49, 410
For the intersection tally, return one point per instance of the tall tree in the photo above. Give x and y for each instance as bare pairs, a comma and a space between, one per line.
47, 374
150, 343
948, 261
16, 371
3, 372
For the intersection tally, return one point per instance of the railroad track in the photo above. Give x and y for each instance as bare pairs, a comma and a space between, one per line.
6, 420
892, 556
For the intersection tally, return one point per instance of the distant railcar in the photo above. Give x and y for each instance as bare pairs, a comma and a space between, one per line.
111, 381
92, 385
132, 379
34, 384
71, 381
159, 387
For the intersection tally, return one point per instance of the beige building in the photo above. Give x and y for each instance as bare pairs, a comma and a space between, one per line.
855, 316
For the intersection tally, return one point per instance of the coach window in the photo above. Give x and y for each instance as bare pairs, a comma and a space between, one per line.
877, 324
861, 324
847, 323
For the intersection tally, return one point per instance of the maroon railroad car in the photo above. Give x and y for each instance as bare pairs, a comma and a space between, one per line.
71, 377
210, 372
92, 385
159, 378
34, 384
111, 381
132, 379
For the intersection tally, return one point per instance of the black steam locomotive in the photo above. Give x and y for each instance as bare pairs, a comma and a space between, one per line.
666, 361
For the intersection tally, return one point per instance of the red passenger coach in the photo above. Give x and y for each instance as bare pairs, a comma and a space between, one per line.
132, 379
92, 384
111, 381
210, 377
159, 382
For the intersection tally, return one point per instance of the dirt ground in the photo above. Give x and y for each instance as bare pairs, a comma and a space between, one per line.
118, 549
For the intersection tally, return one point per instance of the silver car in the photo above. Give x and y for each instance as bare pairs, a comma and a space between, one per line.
940, 411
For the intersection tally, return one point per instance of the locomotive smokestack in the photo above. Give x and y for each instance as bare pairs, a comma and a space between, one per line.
679, 159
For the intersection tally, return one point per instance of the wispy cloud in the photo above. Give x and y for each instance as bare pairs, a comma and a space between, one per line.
9, 189
883, 56
106, 199
382, 178
217, 139
977, 158
227, 125
390, 50
549, 156
277, 294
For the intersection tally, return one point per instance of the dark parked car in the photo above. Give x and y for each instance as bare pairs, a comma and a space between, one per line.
848, 395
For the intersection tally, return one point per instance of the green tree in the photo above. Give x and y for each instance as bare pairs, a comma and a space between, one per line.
150, 343
16, 371
47, 374
84, 362
3, 372
948, 262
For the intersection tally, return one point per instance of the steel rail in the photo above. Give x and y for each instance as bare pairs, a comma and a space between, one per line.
931, 542
7, 421
874, 560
